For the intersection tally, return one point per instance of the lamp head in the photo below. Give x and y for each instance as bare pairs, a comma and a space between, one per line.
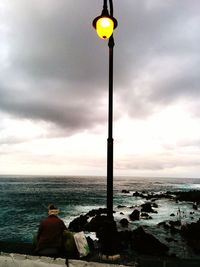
104, 24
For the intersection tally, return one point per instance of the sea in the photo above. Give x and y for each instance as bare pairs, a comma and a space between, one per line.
24, 200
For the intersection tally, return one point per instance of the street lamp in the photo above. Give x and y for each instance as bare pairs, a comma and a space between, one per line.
104, 25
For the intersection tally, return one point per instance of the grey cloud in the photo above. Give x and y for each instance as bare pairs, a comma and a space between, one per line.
65, 111
55, 73
58, 44
58, 68
166, 31
184, 84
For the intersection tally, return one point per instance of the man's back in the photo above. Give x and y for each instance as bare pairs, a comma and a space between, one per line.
50, 233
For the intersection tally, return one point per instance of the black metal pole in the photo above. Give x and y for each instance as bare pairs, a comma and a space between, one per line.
110, 133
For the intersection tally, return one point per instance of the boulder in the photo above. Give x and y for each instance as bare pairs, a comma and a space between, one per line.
124, 191
78, 223
146, 207
95, 212
96, 223
137, 194
191, 232
175, 223
146, 243
135, 215
124, 222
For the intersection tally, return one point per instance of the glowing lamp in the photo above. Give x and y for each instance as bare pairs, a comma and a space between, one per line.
104, 25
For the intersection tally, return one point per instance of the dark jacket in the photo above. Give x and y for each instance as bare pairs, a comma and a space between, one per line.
50, 233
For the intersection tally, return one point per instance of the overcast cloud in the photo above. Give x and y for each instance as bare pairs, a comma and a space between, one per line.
54, 83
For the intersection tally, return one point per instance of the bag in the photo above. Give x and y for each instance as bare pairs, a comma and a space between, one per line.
69, 244
81, 244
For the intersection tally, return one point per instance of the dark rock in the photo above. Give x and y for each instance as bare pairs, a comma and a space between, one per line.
124, 191
124, 222
172, 214
160, 195
191, 232
125, 238
78, 223
146, 207
195, 206
165, 225
175, 223
137, 194
96, 223
95, 212
146, 243
135, 215
193, 196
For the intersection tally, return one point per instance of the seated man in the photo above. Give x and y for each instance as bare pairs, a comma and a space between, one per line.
50, 234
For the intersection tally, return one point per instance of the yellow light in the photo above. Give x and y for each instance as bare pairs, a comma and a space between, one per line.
104, 27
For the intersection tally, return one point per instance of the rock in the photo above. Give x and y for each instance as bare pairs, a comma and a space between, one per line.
164, 224
124, 222
170, 239
125, 238
191, 232
195, 206
137, 194
193, 196
95, 212
96, 223
172, 214
78, 223
135, 215
175, 223
160, 195
146, 207
146, 243
124, 191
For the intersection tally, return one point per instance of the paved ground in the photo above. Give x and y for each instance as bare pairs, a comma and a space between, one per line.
139, 261
16, 260
153, 262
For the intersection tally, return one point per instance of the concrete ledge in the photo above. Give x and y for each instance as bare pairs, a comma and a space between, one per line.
16, 260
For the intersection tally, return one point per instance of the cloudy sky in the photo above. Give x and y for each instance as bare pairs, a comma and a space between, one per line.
54, 88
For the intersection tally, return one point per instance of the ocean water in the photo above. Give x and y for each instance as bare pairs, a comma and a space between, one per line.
24, 200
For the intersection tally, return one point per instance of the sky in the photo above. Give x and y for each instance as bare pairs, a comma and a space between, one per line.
54, 88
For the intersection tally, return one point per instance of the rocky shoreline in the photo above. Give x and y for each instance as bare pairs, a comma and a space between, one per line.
141, 240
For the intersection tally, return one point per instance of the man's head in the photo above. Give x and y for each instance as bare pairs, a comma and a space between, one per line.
52, 210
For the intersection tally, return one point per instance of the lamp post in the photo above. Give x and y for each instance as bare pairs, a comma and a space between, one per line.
104, 25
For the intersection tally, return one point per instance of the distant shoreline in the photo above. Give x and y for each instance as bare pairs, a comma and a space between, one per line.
97, 176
